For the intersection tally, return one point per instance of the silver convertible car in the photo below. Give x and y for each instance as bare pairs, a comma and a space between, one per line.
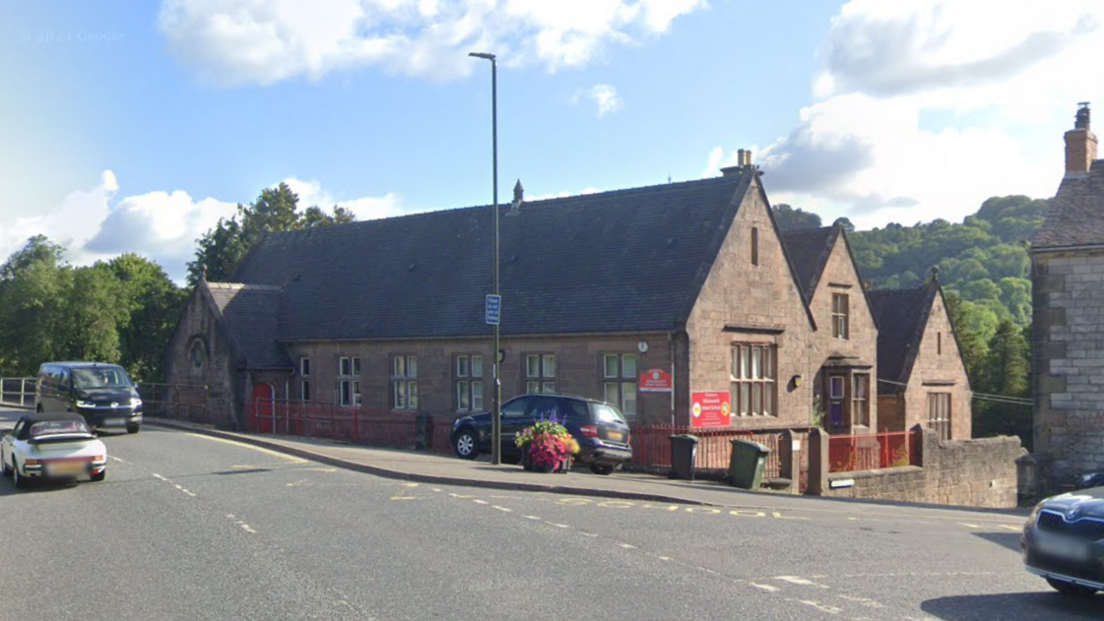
1063, 541
52, 446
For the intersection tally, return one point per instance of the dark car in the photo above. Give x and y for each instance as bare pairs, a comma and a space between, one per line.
1063, 541
599, 427
102, 393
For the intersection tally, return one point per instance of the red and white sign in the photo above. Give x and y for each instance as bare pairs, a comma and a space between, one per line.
655, 380
710, 409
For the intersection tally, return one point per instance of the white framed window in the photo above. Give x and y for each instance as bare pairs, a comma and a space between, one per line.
939, 414
752, 380
841, 316
468, 379
619, 381
540, 373
304, 367
348, 388
304, 390
860, 399
404, 382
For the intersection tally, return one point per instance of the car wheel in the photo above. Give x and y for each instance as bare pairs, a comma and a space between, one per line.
18, 480
466, 444
132, 428
1070, 589
603, 469
100, 476
5, 469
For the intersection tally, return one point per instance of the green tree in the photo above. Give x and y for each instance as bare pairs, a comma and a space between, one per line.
153, 305
222, 248
790, 219
1006, 372
34, 285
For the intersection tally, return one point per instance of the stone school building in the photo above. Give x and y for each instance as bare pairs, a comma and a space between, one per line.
693, 280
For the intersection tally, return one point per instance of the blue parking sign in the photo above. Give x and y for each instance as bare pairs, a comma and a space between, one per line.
493, 309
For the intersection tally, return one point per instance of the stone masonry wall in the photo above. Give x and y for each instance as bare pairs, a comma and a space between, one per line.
1068, 291
839, 276
765, 296
939, 368
199, 327
975, 473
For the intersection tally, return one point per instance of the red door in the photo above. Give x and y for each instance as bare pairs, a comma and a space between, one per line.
262, 402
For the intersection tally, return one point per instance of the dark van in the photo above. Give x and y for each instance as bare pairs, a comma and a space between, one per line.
102, 393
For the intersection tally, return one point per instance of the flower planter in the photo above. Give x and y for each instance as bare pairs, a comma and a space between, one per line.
546, 447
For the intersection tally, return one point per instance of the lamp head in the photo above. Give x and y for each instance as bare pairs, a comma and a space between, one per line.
483, 55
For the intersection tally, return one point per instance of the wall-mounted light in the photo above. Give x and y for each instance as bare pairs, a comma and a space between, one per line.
796, 380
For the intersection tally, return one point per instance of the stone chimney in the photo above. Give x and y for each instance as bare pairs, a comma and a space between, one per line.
1080, 144
743, 162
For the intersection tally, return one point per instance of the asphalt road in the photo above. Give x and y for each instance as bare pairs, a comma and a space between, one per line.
190, 527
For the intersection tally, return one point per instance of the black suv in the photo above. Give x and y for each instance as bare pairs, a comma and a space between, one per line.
600, 429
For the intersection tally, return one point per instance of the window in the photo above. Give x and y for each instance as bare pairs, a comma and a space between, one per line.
860, 395
304, 367
198, 353
840, 319
939, 343
619, 375
540, 373
348, 388
404, 382
469, 383
752, 381
754, 245
939, 414
304, 390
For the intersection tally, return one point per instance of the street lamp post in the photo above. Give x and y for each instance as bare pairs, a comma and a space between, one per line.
496, 417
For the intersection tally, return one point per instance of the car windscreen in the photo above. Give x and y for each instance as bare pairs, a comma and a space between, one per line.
46, 428
100, 377
606, 414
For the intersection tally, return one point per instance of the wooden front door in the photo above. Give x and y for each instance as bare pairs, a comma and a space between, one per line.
262, 403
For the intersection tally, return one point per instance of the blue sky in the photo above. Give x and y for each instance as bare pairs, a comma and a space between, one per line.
133, 127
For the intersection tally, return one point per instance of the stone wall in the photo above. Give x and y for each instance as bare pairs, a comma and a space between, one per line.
1068, 292
975, 473
760, 304
200, 355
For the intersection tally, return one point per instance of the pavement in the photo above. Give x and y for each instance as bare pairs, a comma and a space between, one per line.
436, 468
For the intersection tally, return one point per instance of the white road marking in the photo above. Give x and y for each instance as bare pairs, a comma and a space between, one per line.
121, 461
410, 484
558, 525
629, 546
159, 477
765, 587
1010, 527
589, 534
800, 580
479, 502
666, 558
246, 527
865, 601
503, 509
969, 525
822, 607
532, 517
437, 489
259, 449
404, 498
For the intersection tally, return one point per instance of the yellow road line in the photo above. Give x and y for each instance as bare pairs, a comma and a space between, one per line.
291, 458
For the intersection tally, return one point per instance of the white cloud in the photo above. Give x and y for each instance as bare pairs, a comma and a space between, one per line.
232, 42
925, 109
606, 98
161, 226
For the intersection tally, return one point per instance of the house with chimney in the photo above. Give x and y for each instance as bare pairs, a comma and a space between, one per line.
1067, 257
645, 298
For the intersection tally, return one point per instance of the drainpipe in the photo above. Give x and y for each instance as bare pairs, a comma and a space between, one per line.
671, 353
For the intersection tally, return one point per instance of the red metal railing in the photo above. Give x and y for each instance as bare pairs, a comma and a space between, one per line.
872, 451
377, 426
652, 446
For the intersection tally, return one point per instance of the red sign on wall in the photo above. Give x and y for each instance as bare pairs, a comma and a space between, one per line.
655, 380
710, 409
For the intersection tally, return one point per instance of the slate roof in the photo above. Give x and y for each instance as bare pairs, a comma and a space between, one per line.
809, 250
251, 313
1076, 215
623, 261
902, 315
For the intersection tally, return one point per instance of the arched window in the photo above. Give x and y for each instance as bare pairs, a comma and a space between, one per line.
197, 353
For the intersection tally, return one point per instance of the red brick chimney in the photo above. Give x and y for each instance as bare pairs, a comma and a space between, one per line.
1080, 144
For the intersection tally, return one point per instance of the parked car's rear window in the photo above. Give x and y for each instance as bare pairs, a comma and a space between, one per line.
57, 427
605, 414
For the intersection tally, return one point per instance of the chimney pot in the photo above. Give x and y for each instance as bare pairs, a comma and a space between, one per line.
1080, 144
